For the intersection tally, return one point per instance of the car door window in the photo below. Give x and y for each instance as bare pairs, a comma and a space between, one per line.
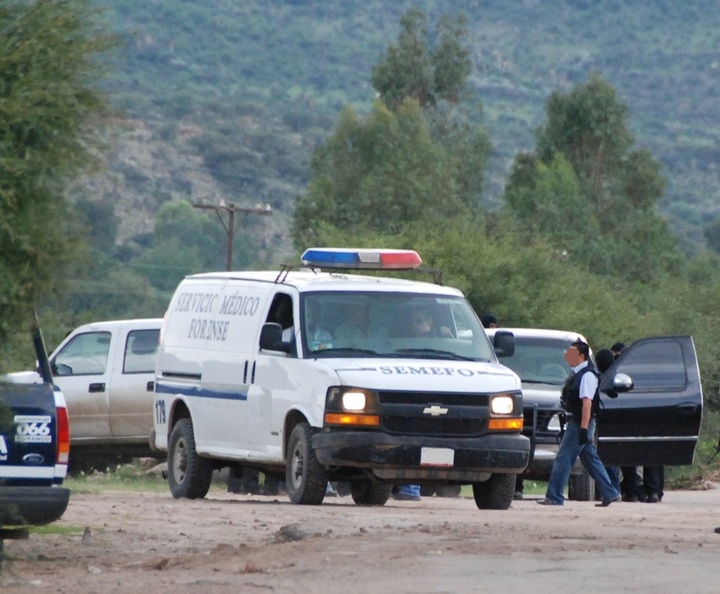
656, 366
86, 354
140, 349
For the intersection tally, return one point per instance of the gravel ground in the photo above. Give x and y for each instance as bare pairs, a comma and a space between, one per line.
122, 541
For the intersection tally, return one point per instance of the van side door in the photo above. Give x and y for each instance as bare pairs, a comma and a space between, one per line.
277, 379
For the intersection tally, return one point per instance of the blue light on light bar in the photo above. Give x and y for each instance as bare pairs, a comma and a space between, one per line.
367, 259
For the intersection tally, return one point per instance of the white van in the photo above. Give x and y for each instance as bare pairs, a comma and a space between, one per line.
316, 376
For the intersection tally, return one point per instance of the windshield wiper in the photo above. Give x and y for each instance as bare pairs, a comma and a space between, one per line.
438, 354
536, 381
346, 350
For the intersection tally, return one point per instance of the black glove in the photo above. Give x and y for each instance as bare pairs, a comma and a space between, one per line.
583, 437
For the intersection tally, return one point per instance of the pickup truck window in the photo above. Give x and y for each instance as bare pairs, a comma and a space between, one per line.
83, 355
656, 367
140, 350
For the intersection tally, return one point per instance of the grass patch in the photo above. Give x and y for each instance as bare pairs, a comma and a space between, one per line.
138, 476
56, 529
141, 475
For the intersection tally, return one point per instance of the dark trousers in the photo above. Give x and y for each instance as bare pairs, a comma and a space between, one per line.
654, 480
651, 483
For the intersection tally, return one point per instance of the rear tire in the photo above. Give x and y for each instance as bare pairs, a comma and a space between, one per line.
581, 487
189, 474
305, 479
367, 492
495, 493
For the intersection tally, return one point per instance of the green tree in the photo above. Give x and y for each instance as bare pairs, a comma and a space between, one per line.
712, 235
185, 241
98, 221
413, 68
49, 71
378, 176
419, 155
611, 213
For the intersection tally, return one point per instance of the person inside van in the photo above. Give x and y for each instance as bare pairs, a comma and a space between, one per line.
359, 326
317, 338
422, 324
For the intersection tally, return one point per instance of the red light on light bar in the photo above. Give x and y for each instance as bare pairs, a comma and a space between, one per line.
400, 259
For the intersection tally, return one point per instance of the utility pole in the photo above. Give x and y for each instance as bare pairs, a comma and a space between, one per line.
231, 226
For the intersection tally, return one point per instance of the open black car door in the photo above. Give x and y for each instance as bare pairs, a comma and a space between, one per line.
655, 418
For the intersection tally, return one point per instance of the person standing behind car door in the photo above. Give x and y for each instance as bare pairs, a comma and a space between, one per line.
653, 477
580, 398
604, 359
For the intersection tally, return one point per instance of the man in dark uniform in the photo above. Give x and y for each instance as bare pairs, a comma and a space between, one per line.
580, 400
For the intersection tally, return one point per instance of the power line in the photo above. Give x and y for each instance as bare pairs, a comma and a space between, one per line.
231, 226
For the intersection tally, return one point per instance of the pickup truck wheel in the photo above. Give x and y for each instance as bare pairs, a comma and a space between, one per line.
581, 487
495, 493
367, 492
189, 475
305, 480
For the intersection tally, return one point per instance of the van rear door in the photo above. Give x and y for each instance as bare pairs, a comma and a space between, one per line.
657, 421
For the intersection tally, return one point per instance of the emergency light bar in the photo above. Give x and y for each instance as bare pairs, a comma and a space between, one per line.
368, 259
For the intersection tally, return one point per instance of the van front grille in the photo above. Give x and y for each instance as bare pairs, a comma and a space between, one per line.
434, 413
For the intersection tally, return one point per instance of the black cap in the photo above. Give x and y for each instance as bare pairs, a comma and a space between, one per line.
617, 347
488, 319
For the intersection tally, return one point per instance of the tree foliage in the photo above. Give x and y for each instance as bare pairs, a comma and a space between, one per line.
419, 155
49, 70
378, 175
416, 68
586, 191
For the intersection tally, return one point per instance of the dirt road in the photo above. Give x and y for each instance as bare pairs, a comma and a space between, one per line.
150, 542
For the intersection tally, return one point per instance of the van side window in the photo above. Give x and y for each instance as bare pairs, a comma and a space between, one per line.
281, 312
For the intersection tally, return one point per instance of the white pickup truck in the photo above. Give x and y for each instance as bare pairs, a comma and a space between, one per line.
106, 372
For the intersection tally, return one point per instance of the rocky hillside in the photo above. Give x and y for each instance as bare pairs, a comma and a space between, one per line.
227, 100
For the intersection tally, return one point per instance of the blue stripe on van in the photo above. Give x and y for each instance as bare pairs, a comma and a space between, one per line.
161, 388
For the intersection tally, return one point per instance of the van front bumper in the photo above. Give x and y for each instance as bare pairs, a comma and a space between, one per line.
399, 456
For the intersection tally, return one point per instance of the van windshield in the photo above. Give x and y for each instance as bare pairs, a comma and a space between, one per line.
372, 324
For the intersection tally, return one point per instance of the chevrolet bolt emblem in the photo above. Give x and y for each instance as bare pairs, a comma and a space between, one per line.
435, 410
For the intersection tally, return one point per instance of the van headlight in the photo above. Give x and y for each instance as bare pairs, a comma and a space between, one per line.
502, 404
351, 407
353, 401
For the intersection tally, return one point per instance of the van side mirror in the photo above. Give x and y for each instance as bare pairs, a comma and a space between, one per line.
504, 343
271, 338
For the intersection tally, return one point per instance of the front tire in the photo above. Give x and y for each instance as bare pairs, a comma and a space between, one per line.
367, 492
189, 474
305, 479
495, 493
